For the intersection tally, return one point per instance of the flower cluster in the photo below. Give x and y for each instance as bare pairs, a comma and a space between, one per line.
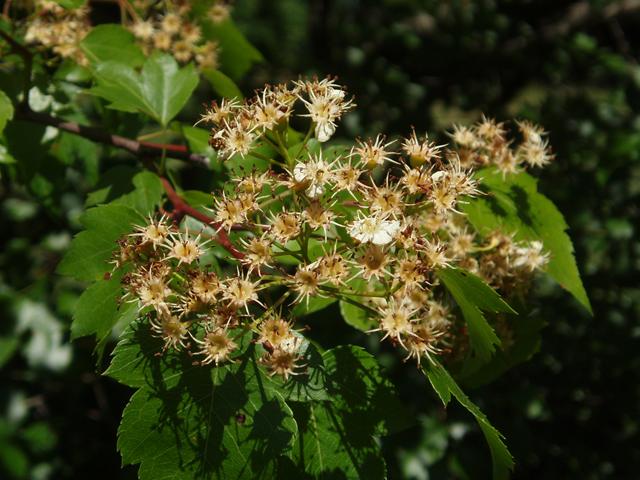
366, 235
166, 25
59, 29
486, 144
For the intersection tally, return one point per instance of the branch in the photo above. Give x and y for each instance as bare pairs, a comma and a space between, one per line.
181, 208
139, 149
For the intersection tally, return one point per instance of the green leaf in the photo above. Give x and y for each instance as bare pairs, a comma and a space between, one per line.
97, 309
517, 207
6, 110
112, 42
91, 249
167, 87
120, 85
527, 339
445, 385
222, 85
160, 91
311, 385
315, 305
336, 437
237, 54
8, 346
354, 315
473, 295
125, 185
71, 4
184, 421
196, 198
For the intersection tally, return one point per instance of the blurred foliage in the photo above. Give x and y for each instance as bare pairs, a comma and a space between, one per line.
572, 412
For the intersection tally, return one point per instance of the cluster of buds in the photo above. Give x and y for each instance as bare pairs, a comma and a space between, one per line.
366, 235
166, 26
172, 30
59, 29
486, 144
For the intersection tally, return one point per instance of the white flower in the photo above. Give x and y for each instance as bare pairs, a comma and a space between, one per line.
317, 172
374, 229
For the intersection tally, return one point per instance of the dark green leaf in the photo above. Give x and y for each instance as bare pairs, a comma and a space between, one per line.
237, 54
353, 314
112, 42
196, 198
125, 185
91, 249
517, 207
160, 91
166, 86
8, 345
526, 332
222, 85
6, 110
315, 305
305, 387
445, 385
97, 309
473, 295
120, 85
183, 422
336, 437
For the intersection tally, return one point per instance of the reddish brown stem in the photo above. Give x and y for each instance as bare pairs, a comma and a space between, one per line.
139, 149
181, 208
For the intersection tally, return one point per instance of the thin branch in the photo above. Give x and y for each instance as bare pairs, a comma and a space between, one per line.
139, 149
181, 208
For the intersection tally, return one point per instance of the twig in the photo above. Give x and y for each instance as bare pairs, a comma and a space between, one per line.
181, 208
139, 149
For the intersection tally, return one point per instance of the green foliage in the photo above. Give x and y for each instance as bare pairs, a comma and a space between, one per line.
473, 295
517, 206
160, 91
91, 250
112, 43
445, 386
336, 437
6, 110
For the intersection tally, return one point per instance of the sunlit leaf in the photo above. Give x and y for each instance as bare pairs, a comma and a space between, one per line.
473, 295
92, 248
6, 110
445, 385
190, 421
516, 206
112, 42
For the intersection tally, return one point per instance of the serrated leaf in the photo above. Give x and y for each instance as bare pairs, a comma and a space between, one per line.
445, 385
120, 84
112, 42
160, 91
92, 248
304, 387
223, 85
6, 110
166, 86
97, 309
125, 185
473, 295
527, 339
517, 207
336, 437
183, 422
